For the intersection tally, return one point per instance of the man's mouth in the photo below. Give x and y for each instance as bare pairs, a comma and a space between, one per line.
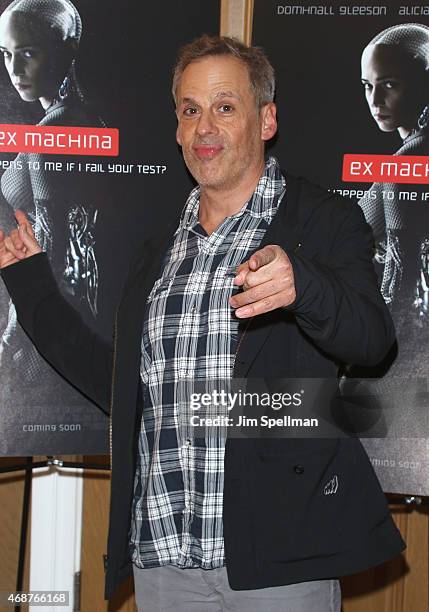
207, 151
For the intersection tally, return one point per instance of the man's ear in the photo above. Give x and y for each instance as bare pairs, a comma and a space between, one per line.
268, 116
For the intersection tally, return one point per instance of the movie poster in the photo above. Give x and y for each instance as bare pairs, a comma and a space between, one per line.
353, 106
88, 152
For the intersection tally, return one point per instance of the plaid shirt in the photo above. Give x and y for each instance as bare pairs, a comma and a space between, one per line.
190, 334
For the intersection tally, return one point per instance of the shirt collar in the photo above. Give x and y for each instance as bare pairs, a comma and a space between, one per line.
262, 204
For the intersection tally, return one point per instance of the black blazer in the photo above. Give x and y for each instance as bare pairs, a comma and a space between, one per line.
279, 525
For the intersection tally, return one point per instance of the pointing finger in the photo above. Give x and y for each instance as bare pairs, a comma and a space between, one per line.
242, 271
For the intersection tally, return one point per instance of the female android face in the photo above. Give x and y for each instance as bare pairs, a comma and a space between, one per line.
34, 62
395, 87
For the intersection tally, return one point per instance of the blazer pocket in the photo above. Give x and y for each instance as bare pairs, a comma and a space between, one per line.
299, 502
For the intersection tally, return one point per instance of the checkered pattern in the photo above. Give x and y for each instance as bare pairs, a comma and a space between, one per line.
190, 335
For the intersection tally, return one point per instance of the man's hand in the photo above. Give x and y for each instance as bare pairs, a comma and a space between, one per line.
19, 244
267, 280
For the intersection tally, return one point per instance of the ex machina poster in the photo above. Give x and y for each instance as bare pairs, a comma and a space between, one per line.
88, 152
353, 107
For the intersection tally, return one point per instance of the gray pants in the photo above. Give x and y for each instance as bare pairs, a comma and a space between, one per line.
171, 589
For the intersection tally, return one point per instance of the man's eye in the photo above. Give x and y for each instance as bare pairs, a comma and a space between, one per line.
389, 84
28, 54
189, 111
226, 108
6, 54
367, 86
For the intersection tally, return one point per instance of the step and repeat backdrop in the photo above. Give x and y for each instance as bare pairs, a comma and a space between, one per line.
353, 105
88, 152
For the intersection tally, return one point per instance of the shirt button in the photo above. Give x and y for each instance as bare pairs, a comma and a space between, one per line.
188, 442
298, 469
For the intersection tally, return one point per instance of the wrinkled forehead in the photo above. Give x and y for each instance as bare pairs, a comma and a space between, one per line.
211, 75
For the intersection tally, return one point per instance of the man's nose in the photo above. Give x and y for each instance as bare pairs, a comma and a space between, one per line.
206, 124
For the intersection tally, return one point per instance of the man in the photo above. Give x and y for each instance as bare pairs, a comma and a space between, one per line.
263, 275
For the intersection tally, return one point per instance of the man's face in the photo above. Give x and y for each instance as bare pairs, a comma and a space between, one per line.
220, 129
